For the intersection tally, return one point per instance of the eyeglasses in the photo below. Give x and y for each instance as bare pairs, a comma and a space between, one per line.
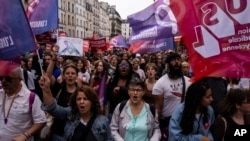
7, 78
135, 90
123, 65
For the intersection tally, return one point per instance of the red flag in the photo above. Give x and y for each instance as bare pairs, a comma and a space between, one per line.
95, 36
217, 36
99, 44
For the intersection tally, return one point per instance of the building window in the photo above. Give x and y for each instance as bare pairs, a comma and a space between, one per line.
61, 19
60, 6
72, 8
69, 20
68, 6
69, 32
64, 19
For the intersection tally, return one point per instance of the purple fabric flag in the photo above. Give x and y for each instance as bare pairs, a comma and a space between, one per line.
15, 34
154, 22
102, 91
43, 15
152, 46
118, 41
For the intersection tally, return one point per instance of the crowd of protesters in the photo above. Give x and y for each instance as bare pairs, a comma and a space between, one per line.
117, 95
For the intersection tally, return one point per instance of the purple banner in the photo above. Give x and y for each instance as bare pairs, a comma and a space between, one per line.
43, 15
118, 41
154, 22
152, 46
15, 34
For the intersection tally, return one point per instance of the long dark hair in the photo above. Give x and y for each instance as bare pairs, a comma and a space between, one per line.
105, 69
192, 102
91, 95
117, 73
84, 61
227, 107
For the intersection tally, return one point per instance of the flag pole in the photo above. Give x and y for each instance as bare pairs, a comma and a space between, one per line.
39, 60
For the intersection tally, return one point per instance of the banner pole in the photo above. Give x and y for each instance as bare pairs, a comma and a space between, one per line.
39, 60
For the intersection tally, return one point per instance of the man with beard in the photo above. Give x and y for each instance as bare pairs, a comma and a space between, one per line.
169, 91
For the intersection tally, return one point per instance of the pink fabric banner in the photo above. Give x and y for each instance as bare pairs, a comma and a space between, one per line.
217, 35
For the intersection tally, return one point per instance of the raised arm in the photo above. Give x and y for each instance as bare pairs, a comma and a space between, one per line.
45, 83
50, 69
49, 104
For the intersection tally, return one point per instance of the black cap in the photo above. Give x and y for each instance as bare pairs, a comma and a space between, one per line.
172, 56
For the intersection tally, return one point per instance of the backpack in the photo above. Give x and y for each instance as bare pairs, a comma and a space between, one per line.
151, 107
31, 101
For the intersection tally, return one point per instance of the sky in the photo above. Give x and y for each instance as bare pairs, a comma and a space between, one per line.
128, 7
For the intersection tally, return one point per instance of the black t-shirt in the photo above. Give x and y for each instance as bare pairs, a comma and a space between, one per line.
63, 100
83, 132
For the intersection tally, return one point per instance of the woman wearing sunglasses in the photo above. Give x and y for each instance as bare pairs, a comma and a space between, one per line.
117, 89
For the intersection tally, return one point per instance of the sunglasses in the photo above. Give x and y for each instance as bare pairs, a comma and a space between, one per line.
7, 78
123, 65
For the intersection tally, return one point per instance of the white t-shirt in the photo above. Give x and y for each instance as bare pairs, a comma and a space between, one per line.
84, 76
172, 91
244, 83
141, 73
30, 80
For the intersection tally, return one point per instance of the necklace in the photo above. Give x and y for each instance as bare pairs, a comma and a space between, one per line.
4, 101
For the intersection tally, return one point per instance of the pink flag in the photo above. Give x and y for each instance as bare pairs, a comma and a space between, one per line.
217, 36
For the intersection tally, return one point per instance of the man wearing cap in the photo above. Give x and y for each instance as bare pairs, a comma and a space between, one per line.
169, 91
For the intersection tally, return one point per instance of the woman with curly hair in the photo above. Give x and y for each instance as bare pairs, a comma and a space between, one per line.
84, 119
191, 120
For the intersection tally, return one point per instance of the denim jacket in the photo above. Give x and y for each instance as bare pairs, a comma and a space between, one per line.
175, 130
100, 127
120, 119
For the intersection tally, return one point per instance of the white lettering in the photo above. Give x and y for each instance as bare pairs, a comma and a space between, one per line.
240, 132
37, 24
206, 45
151, 32
6, 42
239, 9
214, 22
